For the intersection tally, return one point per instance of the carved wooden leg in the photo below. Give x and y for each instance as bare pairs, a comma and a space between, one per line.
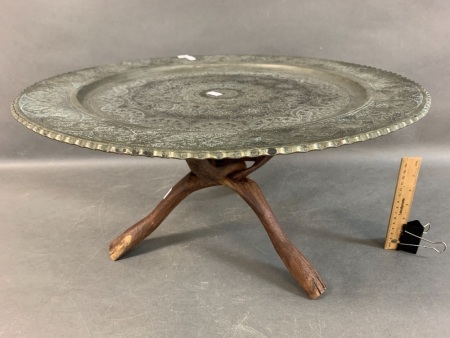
302, 270
231, 173
135, 234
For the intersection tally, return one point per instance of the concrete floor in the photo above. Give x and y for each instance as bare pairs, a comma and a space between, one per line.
210, 269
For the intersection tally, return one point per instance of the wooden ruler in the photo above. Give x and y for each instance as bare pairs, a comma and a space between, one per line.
403, 198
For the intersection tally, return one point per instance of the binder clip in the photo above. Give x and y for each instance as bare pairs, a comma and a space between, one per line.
412, 234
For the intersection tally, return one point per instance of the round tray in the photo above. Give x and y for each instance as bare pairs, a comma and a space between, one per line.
220, 106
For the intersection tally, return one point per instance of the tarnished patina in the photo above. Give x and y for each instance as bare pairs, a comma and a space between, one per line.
220, 106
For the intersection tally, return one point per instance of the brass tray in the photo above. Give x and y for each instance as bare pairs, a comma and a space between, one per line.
220, 106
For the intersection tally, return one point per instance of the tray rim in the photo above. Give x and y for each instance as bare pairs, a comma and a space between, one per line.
217, 153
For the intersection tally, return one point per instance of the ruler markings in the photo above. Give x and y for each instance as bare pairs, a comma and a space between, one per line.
403, 197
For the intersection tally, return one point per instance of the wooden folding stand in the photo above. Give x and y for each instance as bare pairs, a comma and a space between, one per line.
231, 173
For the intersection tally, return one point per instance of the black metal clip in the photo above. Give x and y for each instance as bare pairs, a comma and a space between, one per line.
412, 234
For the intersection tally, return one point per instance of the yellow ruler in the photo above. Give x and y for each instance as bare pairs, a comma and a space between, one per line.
403, 198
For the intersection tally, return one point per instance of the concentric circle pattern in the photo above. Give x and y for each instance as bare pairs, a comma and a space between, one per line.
220, 106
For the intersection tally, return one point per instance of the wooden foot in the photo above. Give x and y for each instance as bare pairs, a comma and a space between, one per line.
147, 225
231, 173
300, 268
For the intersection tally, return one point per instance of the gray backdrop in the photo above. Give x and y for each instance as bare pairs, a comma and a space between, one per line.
210, 269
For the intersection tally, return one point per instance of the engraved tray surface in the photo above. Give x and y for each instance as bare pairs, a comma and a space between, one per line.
220, 106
